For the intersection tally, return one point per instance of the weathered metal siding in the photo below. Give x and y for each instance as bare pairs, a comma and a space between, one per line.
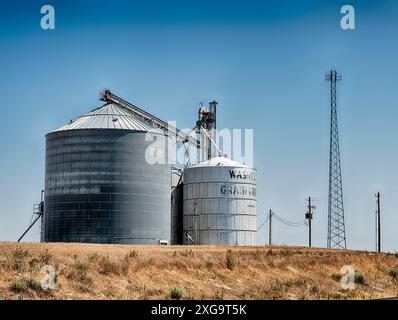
100, 189
176, 208
226, 205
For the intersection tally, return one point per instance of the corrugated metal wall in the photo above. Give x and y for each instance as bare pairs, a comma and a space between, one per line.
100, 189
176, 208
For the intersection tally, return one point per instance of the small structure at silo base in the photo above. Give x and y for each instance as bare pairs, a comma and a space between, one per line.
219, 203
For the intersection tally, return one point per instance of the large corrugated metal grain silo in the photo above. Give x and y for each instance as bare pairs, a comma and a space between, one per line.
98, 186
219, 203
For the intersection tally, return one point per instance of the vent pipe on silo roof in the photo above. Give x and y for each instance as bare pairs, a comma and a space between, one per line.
208, 121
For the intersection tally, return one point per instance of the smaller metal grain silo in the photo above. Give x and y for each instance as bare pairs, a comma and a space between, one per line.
219, 203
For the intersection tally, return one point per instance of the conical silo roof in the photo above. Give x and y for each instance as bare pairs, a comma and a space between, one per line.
110, 116
220, 162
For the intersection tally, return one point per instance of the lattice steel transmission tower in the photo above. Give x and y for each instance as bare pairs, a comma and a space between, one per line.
336, 225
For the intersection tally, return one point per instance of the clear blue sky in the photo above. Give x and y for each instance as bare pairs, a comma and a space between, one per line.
264, 61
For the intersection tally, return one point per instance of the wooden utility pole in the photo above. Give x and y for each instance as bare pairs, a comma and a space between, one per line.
378, 225
309, 217
270, 228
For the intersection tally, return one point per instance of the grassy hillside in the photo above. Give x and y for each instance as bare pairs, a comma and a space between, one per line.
86, 271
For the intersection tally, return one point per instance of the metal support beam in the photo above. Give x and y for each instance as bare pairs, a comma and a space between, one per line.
108, 96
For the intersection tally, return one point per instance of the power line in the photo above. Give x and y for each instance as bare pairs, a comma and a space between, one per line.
283, 221
288, 223
266, 220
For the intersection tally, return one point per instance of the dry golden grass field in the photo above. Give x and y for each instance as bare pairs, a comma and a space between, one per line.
87, 271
